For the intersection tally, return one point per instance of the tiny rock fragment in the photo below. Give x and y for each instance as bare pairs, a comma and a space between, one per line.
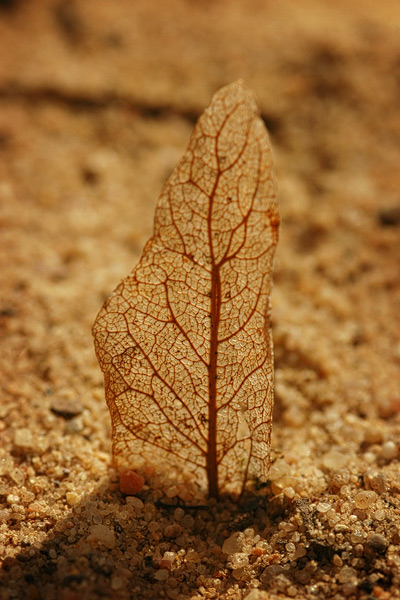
378, 542
131, 483
167, 560
102, 534
67, 408
365, 498
242, 573
278, 470
376, 481
179, 513
102, 565
26, 496
117, 583
192, 556
38, 508
23, 439
137, 503
74, 426
238, 560
337, 561
12, 499
379, 514
161, 574
25, 442
347, 574
334, 460
389, 216
300, 551
188, 521
17, 475
72, 498
357, 537
172, 491
257, 595
289, 492
233, 543
172, 531
323, 507
389, 450
285, 483
6, 464
339, 478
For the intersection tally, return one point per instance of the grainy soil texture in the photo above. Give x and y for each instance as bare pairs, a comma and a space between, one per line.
97, 103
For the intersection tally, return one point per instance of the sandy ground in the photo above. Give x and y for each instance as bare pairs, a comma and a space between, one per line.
97, 101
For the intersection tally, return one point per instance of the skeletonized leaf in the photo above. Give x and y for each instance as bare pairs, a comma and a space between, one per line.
184, 341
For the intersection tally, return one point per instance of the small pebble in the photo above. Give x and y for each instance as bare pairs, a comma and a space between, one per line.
279, 469
334, 460
300, 551
359, 550
17, 476
192, 556
179, 513
172, 491
365, 498
23, 439
257, 595
339, 478
379, 514
173, 530
238, 560
38, 508
349, 588
117, 583
167, 560
337, 561
12, 499
74, 426
233, 543
369, 457
289, 492
347, 574
137, 503
102, 534
388, 450
378, 542
72, 498
242, 573
389, 216
161, 574
357, 536
6, 465
323, 507
131, 483
26, 496
188, 521
376, 481
66, 408
372, 435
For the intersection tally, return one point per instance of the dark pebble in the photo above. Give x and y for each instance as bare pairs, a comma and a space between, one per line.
378, 542
66, 408
389, 217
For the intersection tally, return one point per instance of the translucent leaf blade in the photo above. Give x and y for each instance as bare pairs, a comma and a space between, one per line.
184, 340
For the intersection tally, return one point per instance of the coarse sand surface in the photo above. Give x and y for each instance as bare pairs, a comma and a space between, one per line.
97, 102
